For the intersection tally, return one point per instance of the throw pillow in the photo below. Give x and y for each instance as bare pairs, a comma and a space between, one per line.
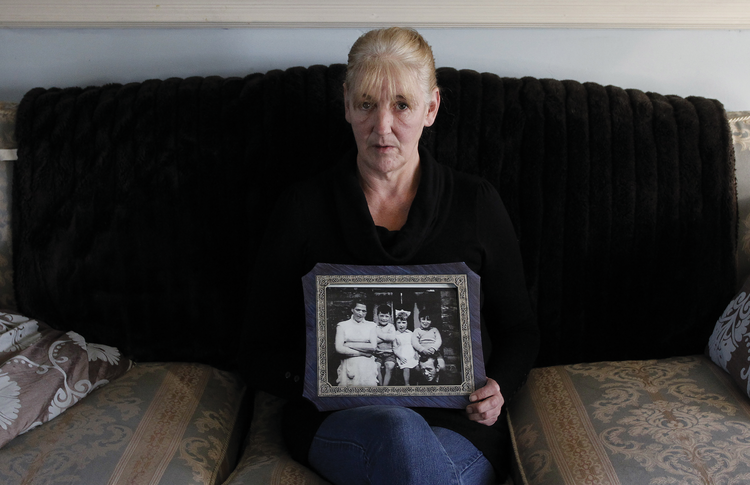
729, 344
44, 371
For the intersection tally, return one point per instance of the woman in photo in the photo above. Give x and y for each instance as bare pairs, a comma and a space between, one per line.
356, 342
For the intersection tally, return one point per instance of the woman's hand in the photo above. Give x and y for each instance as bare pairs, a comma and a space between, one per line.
486, 403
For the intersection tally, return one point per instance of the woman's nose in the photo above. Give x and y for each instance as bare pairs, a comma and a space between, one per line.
384, 121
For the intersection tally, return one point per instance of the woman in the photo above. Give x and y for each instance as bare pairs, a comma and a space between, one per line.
390, 203
355, 343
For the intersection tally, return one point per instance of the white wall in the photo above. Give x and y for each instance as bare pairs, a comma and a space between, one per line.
708, 63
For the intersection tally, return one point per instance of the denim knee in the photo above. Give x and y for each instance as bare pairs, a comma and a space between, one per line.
373, 426
380, 444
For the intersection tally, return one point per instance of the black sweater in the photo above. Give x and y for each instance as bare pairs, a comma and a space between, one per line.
454, 217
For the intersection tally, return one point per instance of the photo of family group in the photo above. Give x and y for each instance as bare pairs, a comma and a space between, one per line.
393, 335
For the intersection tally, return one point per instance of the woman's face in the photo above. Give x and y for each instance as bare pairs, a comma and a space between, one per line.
358, 312
387, 127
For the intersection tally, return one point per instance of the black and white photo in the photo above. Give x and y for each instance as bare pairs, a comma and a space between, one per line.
399, 333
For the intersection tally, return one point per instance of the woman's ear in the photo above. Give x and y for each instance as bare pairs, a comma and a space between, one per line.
432, 107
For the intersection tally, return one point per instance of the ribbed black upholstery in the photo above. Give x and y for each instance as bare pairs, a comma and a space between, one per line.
138, 208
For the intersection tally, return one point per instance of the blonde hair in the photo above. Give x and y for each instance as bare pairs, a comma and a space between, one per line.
390, 55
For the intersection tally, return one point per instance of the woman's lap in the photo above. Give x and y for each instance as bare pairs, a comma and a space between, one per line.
391, 444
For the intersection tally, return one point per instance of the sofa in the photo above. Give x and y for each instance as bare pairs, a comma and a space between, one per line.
130, 217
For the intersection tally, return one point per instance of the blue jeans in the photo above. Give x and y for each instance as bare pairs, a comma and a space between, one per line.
394, 445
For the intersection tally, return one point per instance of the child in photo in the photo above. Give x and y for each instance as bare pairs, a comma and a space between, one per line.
426, 339
386, 334
405, 355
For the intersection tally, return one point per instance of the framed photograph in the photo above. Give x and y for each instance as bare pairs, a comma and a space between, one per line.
403, 335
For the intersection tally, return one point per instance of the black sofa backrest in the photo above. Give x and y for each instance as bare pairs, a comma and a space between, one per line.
138, 208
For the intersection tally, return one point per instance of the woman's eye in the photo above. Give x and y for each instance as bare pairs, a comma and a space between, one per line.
366, 106
402, 106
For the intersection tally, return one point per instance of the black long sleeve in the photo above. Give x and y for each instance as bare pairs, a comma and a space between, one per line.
454, 218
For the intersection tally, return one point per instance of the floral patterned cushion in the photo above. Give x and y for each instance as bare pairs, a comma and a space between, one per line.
670, 421
45, 371
729, 344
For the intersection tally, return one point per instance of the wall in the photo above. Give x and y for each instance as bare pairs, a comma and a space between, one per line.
710, 63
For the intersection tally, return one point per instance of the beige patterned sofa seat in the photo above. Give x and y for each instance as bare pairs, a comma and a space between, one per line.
683, 420
168, 423
670, 421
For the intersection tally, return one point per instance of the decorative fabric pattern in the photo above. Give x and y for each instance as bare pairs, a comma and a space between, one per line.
44, 371
161, 423
657, 422
729, 344
265, 460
